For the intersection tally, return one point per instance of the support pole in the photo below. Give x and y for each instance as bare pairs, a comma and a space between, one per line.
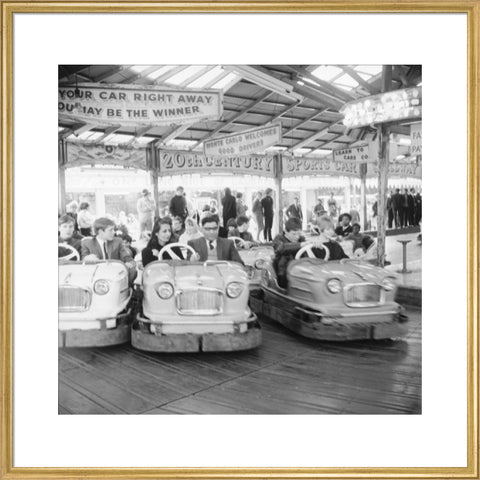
62, 192
384, 133
153, 166
278, 188
363, 194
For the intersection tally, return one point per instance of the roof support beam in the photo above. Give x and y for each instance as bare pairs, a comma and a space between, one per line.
108, 131
233, 119
355, 75
286, 110
309, 140
326, 87
309, 119
196, 76
332, 140
142, 74
173, 134
84, 128
109, 73
170, 73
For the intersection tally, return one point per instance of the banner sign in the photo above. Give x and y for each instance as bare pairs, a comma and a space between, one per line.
295, 166
357, 154
244, 143
173, 162
82, 154
138, 105
416, 138
398, 169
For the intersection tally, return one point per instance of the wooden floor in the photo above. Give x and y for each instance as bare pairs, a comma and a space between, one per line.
287, 374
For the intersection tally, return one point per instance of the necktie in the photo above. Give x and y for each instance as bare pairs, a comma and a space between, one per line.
105, 251
210, 243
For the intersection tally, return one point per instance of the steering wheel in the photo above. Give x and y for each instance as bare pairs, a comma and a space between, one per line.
173, 255
308, 250
73, 255
240, 241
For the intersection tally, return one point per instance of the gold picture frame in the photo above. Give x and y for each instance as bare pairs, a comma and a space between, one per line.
469, 7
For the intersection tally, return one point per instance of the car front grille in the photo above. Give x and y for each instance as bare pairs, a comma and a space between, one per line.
200, 302
364, 295
73, 299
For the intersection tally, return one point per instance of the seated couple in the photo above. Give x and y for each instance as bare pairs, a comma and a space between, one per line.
287, 244
208, 247
238, 227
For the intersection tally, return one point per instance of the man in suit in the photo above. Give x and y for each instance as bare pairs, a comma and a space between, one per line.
105, 246
211, 246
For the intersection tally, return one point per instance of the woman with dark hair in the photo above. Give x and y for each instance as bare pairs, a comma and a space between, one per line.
229, 207
161, 236
85, 219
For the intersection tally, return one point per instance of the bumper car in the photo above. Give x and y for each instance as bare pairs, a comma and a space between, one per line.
93, 302
191, 306
254, 258
335, 300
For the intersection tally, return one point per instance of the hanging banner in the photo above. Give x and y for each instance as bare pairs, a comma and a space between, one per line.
244, 143
82, 154
173, 162
399, 169
138, 105
416, 138
296, 166
359, 154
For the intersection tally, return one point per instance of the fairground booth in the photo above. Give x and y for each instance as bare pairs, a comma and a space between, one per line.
350, 133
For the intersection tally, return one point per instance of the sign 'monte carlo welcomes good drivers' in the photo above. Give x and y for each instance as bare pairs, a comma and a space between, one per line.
244, 143
98, 103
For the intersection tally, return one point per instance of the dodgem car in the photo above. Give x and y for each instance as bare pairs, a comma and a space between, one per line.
191, 306
254, 257
346, 299
93, 301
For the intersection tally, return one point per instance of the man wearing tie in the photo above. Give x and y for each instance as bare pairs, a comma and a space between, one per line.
211, 246
105, 246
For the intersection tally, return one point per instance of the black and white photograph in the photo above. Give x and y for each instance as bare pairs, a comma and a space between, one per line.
240, 239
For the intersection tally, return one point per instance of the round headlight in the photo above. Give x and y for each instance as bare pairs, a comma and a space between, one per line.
388, 284
234, 289
165, 290
334, 285
259, 263
101, 287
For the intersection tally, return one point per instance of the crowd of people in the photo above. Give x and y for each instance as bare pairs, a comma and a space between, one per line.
205, 237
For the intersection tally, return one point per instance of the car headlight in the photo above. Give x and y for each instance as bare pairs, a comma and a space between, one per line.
165, 290
388, 283
259, 263
234, 289
101, 287
334, 285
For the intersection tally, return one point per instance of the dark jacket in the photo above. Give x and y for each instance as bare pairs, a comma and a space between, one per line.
229, 208
75, 241
294, 211
285, 252
149, 257
116, 250
225, 249
340, 230
267, 206
178, 206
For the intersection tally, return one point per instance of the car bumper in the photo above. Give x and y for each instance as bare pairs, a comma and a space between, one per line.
362, 325
100, 336
144, 339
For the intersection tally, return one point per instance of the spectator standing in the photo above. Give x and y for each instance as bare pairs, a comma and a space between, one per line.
241, 207
332, 206
411, 207
145, 209
71, 209
319, 209
258, 213
295, 210
85, 219
390, 209
178, 204
418, 208
267, 210
213, 207
404, 208
396, 206
229, 206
